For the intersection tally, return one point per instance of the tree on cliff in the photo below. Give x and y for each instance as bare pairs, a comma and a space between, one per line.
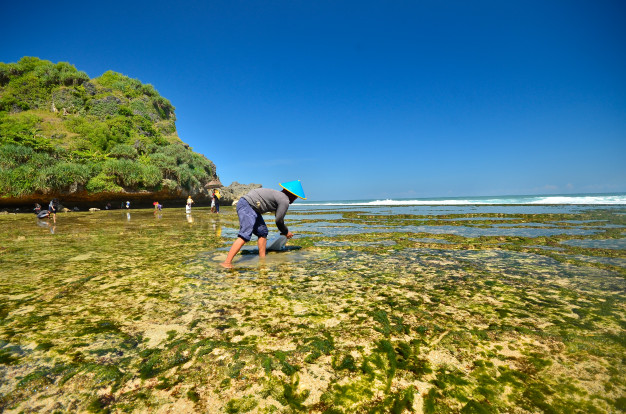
63, 132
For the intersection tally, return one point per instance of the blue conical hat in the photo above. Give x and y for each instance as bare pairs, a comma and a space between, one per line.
294, 187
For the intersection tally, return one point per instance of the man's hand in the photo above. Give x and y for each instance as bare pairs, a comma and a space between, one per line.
289, 235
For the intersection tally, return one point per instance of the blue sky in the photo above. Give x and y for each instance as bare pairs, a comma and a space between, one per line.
367, 99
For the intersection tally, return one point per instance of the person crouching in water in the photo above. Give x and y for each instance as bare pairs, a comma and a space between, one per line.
257, 202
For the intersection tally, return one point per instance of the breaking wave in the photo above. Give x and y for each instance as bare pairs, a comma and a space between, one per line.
582, 199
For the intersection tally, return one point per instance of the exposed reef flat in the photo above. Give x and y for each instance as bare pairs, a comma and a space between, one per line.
129, 311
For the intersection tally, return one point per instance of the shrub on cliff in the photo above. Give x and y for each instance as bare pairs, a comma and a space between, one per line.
63, 174
130, 173
123, 151
103, 183
27, 84
23, 129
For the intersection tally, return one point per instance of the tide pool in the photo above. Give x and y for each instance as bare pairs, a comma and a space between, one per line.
373, 309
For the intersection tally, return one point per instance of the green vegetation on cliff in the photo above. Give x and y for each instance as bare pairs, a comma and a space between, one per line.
61, 131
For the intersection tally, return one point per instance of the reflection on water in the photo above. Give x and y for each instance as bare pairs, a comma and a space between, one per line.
45, 223
368, 310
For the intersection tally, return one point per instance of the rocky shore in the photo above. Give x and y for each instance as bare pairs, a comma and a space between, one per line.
81, 199
234, 191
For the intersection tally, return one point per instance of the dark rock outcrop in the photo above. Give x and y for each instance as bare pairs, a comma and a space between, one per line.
86, 200
234, 192
82, 199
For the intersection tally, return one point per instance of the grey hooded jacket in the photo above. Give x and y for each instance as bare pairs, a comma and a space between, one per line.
266, 200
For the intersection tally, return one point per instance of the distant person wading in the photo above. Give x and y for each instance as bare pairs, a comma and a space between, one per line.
215, 201
53, 207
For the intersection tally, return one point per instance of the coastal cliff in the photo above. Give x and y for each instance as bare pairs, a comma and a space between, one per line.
91, 141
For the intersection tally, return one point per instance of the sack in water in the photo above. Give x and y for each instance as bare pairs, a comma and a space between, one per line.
277, 243
43, 214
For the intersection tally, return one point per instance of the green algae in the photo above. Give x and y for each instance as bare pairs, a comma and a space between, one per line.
113, 315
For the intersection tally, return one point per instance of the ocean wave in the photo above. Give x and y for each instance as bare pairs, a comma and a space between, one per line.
581, 200
512, 200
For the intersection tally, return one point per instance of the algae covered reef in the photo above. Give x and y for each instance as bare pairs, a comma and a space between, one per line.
466, 311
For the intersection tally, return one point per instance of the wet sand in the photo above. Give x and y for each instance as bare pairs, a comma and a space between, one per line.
370, 311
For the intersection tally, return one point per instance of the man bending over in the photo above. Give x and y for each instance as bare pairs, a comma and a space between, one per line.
250, 209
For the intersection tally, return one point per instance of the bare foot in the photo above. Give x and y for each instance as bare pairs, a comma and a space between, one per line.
226, 265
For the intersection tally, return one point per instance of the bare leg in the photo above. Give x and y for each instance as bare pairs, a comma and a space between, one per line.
234, 249
262, 243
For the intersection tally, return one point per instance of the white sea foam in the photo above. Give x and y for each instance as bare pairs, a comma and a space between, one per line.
582, 199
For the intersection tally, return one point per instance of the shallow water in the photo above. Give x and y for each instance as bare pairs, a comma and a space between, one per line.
372, 310
617, 244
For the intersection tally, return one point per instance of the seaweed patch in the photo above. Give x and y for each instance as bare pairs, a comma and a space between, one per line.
113, 315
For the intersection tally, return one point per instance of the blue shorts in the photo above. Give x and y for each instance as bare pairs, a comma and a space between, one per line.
250, 222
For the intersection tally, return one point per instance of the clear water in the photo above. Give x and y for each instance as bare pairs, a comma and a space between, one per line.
373, 308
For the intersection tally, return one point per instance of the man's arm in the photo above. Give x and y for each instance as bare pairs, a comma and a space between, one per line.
281, 210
